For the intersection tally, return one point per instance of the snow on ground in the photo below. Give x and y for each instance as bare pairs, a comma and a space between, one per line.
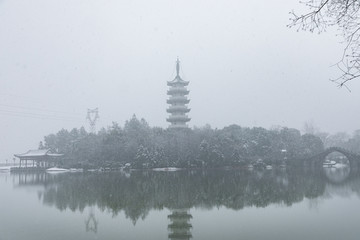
340, 165
5, 169
167, 169
57, 170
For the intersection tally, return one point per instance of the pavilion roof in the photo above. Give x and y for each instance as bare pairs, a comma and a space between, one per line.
38, 153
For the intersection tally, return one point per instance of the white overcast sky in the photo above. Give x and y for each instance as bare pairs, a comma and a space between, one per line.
245, 67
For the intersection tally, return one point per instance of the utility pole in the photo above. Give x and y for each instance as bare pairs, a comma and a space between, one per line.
92, 116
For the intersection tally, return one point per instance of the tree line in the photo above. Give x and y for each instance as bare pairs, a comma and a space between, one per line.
149, 147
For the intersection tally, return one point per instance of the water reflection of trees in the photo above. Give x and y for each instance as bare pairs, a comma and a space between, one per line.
143, 191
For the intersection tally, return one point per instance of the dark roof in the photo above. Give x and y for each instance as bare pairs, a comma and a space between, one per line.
38, 153
178, 79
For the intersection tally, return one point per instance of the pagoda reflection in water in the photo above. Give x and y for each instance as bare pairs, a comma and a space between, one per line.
179, 228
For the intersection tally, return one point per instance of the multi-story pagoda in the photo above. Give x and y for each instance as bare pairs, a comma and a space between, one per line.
178, 101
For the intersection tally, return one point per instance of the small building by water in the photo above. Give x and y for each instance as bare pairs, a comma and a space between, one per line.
42, 158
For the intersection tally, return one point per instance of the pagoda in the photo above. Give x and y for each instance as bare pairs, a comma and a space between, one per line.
178, 101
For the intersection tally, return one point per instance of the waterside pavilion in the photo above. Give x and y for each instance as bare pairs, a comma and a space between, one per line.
38, 158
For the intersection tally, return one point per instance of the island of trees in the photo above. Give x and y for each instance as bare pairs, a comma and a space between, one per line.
142, 146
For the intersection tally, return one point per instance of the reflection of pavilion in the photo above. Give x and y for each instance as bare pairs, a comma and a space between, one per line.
179, 227
36, 178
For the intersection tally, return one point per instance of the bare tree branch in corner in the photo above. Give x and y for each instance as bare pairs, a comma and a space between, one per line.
343, 14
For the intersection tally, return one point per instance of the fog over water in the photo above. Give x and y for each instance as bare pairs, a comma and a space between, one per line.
245, 67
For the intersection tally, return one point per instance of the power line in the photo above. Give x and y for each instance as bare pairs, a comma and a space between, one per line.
38, 109
41, 118
30, 99
40, 113
36, 115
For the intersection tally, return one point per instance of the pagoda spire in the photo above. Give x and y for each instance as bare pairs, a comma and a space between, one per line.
177, 67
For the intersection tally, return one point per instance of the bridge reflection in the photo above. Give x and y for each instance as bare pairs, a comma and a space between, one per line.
338, 175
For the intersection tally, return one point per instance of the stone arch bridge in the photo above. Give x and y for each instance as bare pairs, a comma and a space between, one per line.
318, 159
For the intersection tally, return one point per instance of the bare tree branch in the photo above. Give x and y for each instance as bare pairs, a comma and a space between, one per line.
345, 15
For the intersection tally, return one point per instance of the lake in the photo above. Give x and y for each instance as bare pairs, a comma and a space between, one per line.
214, 204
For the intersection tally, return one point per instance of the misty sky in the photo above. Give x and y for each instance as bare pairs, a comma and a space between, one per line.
245, 67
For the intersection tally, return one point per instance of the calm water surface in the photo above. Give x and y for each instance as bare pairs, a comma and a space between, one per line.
269, 204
